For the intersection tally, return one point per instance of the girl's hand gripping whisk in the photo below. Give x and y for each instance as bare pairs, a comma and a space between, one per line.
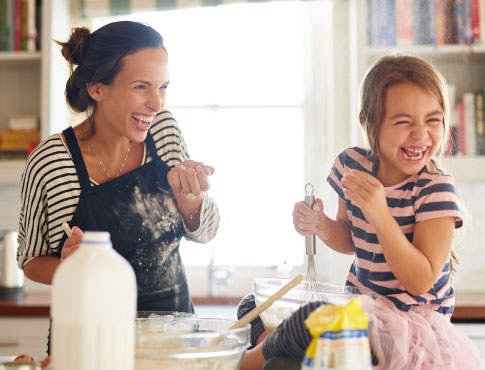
311, 283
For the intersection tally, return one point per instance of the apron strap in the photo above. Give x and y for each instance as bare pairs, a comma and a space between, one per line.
77, 158
153, 152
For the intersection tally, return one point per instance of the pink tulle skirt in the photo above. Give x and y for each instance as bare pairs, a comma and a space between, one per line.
420, 339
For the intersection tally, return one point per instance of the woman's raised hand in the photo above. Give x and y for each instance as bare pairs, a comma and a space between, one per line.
306, 219
72, 243
190, 178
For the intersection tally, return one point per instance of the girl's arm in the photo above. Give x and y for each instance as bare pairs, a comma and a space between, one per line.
334, 233
416, 265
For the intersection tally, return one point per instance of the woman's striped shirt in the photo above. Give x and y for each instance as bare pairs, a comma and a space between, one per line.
429, 194
50, 191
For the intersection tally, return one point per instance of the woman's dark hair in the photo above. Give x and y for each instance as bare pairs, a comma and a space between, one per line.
99, 56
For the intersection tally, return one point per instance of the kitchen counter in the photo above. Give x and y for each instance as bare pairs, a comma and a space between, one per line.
469, 306
38, 304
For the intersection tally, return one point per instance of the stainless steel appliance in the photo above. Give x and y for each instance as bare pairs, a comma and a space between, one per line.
11, 277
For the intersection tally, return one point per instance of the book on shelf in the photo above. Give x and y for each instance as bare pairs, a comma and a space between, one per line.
18, 141
381, 30
481, 20
444, 19
470, 127
371, 22
475, 20
20, 24
440, 22
469, 124
480, 121
467, 22
404, 22
17, 29
424, 26
425, 22
461, 127
31, 26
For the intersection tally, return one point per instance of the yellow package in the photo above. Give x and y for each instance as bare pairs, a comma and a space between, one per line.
340, 338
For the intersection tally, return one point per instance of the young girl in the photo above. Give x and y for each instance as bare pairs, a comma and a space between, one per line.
397, 212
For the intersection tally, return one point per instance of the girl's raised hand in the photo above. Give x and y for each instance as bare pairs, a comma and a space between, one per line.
190, 178
368, 193
306, 219
72, 243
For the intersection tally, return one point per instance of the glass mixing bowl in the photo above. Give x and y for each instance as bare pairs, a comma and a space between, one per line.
187, 341
303, 293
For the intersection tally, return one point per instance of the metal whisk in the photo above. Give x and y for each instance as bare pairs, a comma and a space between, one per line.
311, 284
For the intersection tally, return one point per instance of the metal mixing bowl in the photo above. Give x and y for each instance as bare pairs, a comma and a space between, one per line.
187, 341
303, 293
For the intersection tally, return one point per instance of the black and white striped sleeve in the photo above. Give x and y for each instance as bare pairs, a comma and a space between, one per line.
49, 195
172, 149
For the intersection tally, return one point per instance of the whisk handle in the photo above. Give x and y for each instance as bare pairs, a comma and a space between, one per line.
310, 245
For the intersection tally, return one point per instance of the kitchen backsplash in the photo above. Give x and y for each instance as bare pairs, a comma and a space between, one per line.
471, 250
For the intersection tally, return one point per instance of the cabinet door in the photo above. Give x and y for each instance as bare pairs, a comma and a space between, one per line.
24, 336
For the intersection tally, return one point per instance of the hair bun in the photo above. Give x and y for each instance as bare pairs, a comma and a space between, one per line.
72, 50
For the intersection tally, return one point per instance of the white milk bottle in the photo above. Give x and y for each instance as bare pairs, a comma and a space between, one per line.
93, 308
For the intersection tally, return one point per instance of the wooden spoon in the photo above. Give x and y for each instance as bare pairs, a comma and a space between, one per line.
67, 229
263, 306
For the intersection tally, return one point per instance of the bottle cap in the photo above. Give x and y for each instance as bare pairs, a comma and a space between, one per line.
96, 237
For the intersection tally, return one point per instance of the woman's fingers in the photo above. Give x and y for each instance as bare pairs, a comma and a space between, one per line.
72, 243
184, 182
190, 177
193, 181
66, 252
174, 180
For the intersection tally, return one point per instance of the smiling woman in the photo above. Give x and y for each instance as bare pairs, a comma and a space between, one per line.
124, 169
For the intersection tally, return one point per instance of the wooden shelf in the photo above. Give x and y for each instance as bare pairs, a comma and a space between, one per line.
451, 53
11, 171
19, 58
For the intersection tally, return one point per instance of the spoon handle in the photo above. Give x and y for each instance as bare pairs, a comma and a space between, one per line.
263, 306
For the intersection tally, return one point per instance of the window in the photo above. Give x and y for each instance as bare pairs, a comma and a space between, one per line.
240, 78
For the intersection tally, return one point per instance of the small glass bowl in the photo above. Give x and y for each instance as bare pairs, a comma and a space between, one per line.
186, 341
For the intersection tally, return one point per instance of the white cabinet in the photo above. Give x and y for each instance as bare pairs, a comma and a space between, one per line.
24, 336
462, 65
34, 82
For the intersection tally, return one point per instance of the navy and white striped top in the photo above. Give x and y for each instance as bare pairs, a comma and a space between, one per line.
429, 194
50, 191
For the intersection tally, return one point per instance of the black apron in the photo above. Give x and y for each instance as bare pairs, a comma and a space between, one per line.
139, 211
